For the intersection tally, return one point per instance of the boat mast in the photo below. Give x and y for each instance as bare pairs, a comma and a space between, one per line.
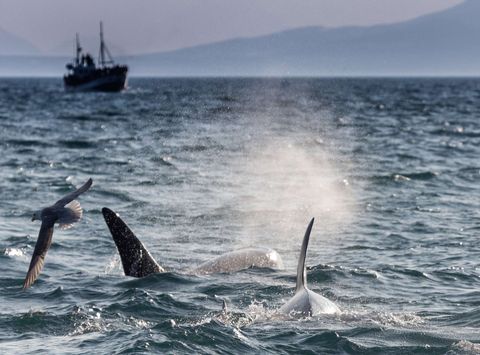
78, 49
103, 49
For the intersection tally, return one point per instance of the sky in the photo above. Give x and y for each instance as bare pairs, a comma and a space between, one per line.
147, 26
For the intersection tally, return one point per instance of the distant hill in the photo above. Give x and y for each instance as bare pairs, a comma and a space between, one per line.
14, 45
442, 43
27, 66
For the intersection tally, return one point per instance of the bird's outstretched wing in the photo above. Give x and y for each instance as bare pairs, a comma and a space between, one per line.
38, 258
73, 195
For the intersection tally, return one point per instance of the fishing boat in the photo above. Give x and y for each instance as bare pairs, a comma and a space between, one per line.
84, 75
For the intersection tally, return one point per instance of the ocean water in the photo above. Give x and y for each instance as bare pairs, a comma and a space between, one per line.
389, 168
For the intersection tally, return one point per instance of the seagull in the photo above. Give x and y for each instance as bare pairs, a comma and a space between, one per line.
65, 212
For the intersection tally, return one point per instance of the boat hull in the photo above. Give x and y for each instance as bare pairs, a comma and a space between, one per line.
100, 80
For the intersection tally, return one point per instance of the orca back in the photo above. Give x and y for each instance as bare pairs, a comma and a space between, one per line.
240, 260
306, 302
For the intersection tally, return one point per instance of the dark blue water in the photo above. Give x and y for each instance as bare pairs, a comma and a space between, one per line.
389, 167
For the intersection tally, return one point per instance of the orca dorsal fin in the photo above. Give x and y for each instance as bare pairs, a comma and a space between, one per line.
136, 260
301, 270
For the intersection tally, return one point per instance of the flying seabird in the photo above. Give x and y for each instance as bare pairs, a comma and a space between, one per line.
65, 212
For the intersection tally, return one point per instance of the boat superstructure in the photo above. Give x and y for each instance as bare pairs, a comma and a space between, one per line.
84, 75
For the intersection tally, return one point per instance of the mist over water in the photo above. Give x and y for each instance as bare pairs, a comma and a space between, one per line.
197, 167
282, 185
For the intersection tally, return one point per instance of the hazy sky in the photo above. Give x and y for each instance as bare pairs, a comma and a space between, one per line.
139, 26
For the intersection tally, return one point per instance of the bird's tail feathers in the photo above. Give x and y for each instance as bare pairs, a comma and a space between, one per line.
70, 215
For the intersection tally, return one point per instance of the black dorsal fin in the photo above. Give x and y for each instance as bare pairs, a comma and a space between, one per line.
136, 259
301, 271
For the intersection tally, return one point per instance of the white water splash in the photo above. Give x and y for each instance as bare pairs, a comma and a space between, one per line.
88, 320
406, 319
14, 252
113, 266
464, 347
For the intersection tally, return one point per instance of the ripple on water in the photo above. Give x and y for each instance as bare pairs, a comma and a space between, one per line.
389, 168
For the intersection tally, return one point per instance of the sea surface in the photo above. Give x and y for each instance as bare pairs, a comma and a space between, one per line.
389, 168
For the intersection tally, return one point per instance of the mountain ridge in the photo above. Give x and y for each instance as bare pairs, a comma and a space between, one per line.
441, 43
14, 45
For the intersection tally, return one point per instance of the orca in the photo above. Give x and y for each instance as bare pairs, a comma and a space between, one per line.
137, 261
306, 302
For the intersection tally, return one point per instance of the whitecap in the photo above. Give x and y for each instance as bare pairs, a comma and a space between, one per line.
13, 252
464, 347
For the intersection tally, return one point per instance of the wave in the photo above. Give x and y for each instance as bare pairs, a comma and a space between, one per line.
30, 142
78, 144
405, 177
